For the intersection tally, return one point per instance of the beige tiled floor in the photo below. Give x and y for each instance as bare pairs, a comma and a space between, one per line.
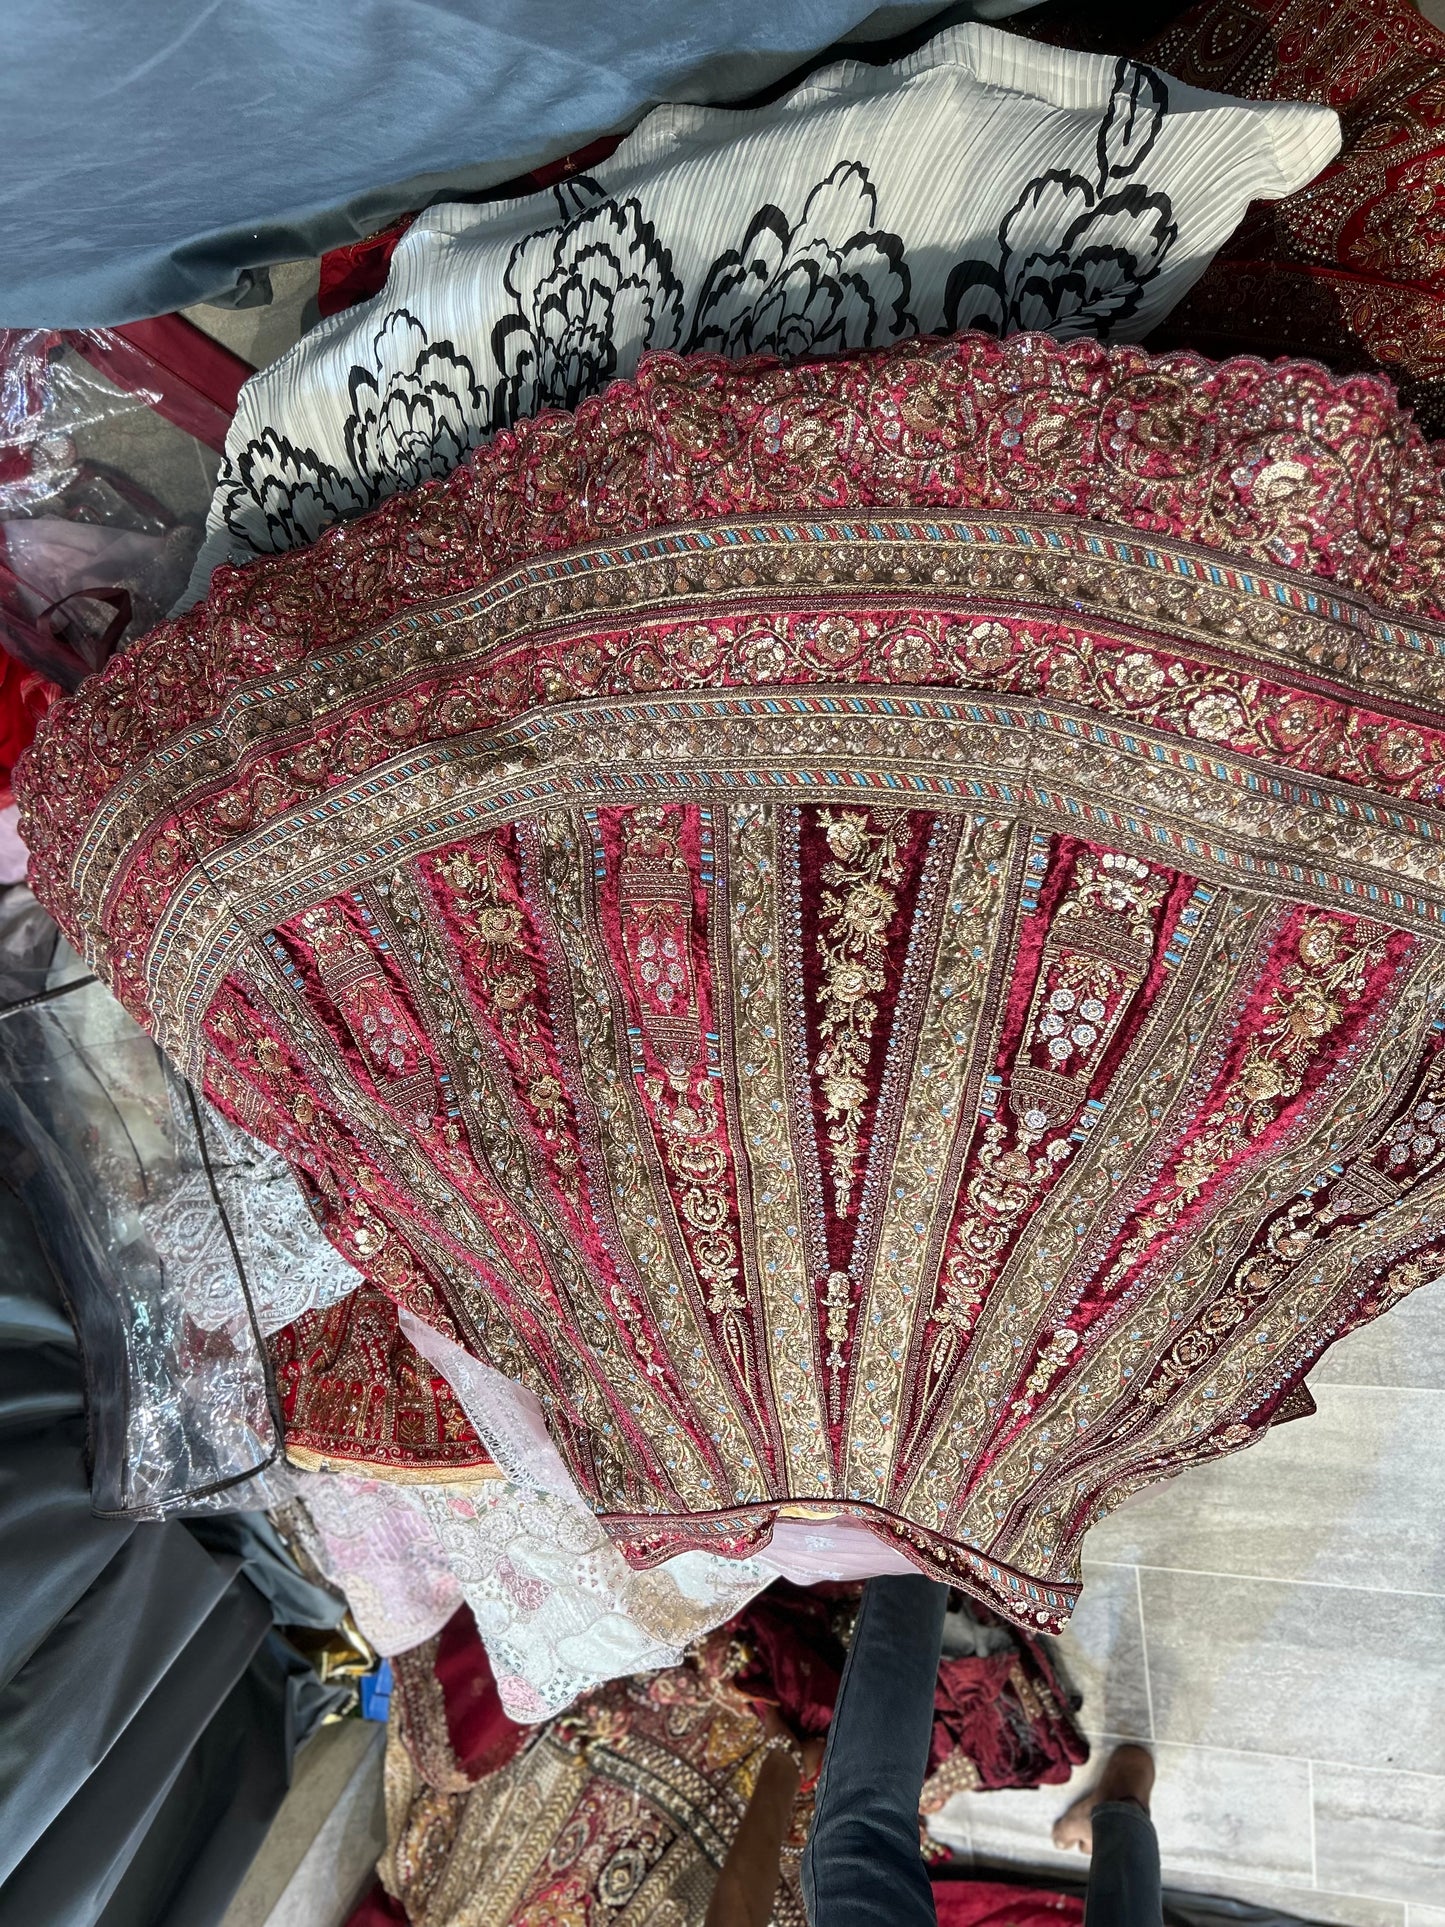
1275, 1626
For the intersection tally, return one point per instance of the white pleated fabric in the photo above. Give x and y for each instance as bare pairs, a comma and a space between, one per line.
983, 182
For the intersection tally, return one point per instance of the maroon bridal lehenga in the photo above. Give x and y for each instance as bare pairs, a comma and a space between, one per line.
871, 931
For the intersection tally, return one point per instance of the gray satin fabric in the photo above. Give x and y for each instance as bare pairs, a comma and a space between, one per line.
157, 150
71, 1870
148, 1713
96, 1672
223, 1798
52, 1550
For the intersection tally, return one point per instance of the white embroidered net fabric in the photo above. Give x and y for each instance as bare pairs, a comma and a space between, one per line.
290, 1267
558, 1608
375, 1541
505, 1416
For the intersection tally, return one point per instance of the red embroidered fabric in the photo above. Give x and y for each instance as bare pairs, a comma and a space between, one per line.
1000, 1719
376, 1908
1352, 268
623, 1807
870, 930
357, 1397
992, 1903
448, 1710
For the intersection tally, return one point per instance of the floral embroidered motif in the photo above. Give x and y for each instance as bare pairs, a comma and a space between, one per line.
1098, 951
655, 900
1099, 946
655, 894
394, 1052
1328, 972
1052, 1358
857, 912
837, 1309
494, 922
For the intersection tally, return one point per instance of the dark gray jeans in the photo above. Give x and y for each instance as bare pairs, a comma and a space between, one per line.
862, 1867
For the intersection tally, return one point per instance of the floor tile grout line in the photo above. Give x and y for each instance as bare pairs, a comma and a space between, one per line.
1263, 1753
1266, 1579
1366, 1385
1144, 1650
1314, 1844
1235, 1752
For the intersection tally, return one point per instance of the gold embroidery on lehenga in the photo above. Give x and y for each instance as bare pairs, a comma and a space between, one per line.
1145, 794
769, 1173
482, 1224
1042, 1277
855, 917
1183, 1200
655, 906
856, 913
1054, 567
1330, 966
1099, 947
972, 902
393, 1050
494, 924
1304, 1233
1236, 1331
505, 1153
638, 1208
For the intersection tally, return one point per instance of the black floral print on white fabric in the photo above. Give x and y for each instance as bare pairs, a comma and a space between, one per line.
830, 280
583, 297
1075, 254
577, 292
416, 419
276, 496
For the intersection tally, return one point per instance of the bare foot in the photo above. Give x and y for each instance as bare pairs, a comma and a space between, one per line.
1128, 1775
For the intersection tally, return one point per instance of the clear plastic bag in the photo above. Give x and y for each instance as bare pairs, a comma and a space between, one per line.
95, 1132
103, 496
